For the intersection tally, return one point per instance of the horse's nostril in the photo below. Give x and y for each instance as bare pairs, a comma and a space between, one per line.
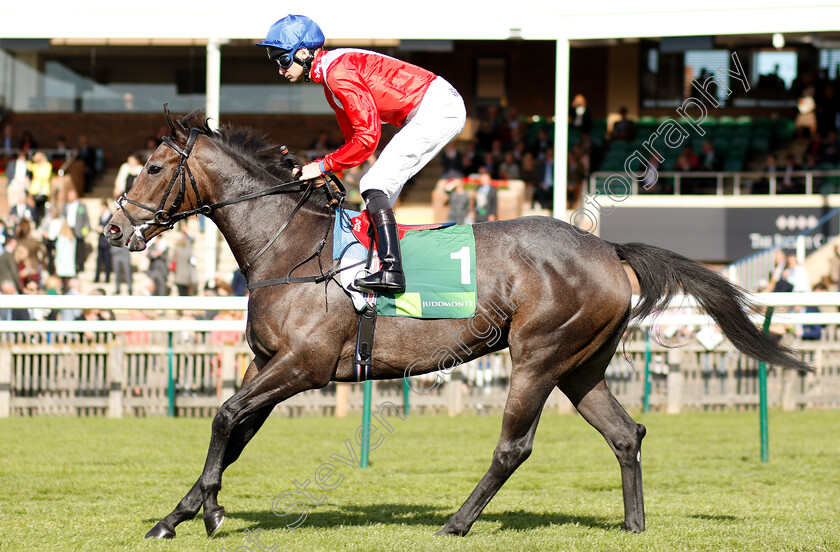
114, 230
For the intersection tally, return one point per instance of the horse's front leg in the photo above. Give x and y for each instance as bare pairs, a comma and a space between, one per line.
282, 377
189, 506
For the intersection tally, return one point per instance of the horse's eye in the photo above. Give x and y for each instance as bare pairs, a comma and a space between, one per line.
154, 169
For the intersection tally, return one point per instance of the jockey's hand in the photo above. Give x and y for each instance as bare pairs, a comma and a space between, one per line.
310, 171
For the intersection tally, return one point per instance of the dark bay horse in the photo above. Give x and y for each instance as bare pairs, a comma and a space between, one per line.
558, 298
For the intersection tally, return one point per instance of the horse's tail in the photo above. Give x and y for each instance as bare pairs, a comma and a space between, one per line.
663, 274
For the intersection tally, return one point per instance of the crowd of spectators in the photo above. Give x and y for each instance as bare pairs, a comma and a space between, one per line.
51, 241
507, 146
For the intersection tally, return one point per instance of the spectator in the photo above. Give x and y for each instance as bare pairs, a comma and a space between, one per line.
489, 166
543, 144
471, 159
76, 215
811, 332
39, 186
651, 182
158, 270
484, 137
574, 177
104, 249
460, 203
688, 160
797, 275
806, 120
51, 227
452, 162
31, 251
762, 185
509, 168
18, 183
624, 129
815, 146
8, 139
544, 192
127, 173
121, 258
579, 115
833, 267
486, 199
20, 210
87, 154
709, 159
8, 287
778, 275
788, 184
9, 271
73, 289
185, 272
65, 256
528, 171
239, 284
830, 148
27, 142
32, 287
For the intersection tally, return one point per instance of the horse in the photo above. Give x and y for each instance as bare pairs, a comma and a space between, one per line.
557, 297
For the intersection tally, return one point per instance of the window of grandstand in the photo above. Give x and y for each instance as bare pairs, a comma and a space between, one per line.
830, 62
113, 79
777, 68
702, 64
667, 74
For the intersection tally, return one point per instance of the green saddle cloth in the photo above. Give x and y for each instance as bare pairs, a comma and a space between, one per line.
439, 270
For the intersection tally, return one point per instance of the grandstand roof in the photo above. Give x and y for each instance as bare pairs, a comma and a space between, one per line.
427, 20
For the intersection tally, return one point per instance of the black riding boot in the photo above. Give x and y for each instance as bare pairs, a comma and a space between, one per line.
390, 278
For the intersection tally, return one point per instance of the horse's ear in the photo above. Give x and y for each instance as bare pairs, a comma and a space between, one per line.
178, 130
168, 116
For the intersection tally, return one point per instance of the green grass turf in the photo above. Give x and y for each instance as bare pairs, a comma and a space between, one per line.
99, 485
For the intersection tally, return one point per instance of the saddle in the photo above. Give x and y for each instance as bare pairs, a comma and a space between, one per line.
364, 231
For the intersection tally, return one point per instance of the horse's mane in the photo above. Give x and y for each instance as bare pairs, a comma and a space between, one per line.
244, 142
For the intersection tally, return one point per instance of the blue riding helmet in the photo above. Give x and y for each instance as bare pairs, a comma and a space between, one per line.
290, 34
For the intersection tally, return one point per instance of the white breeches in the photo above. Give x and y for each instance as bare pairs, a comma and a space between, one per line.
438, 120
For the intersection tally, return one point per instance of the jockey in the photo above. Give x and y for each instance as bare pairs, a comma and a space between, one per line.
366, 89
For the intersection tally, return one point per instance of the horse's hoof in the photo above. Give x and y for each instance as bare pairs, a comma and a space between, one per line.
213, 521
160, 531
450, 532
632, 528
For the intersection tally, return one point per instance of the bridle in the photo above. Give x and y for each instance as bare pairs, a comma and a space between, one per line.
166, 218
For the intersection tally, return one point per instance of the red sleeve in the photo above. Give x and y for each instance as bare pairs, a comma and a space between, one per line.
358, 120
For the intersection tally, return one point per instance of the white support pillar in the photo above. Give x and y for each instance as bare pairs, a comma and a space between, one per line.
211, 110
214, 79
561, 127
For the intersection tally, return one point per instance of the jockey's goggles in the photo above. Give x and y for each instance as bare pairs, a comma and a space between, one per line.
284, 58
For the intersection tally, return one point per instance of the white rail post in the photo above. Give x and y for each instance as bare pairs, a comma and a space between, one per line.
5, 380
115, 381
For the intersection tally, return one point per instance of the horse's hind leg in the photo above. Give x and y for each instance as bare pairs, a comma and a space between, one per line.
599, 407
189, 506
522, 414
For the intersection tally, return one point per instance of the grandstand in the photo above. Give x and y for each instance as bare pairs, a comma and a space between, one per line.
69, 75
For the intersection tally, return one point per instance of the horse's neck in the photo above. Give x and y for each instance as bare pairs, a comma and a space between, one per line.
249, 225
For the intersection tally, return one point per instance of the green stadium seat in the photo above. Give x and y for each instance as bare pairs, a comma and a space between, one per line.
760, 144
733, 164
785, 129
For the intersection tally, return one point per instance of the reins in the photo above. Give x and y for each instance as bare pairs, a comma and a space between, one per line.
166, 218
